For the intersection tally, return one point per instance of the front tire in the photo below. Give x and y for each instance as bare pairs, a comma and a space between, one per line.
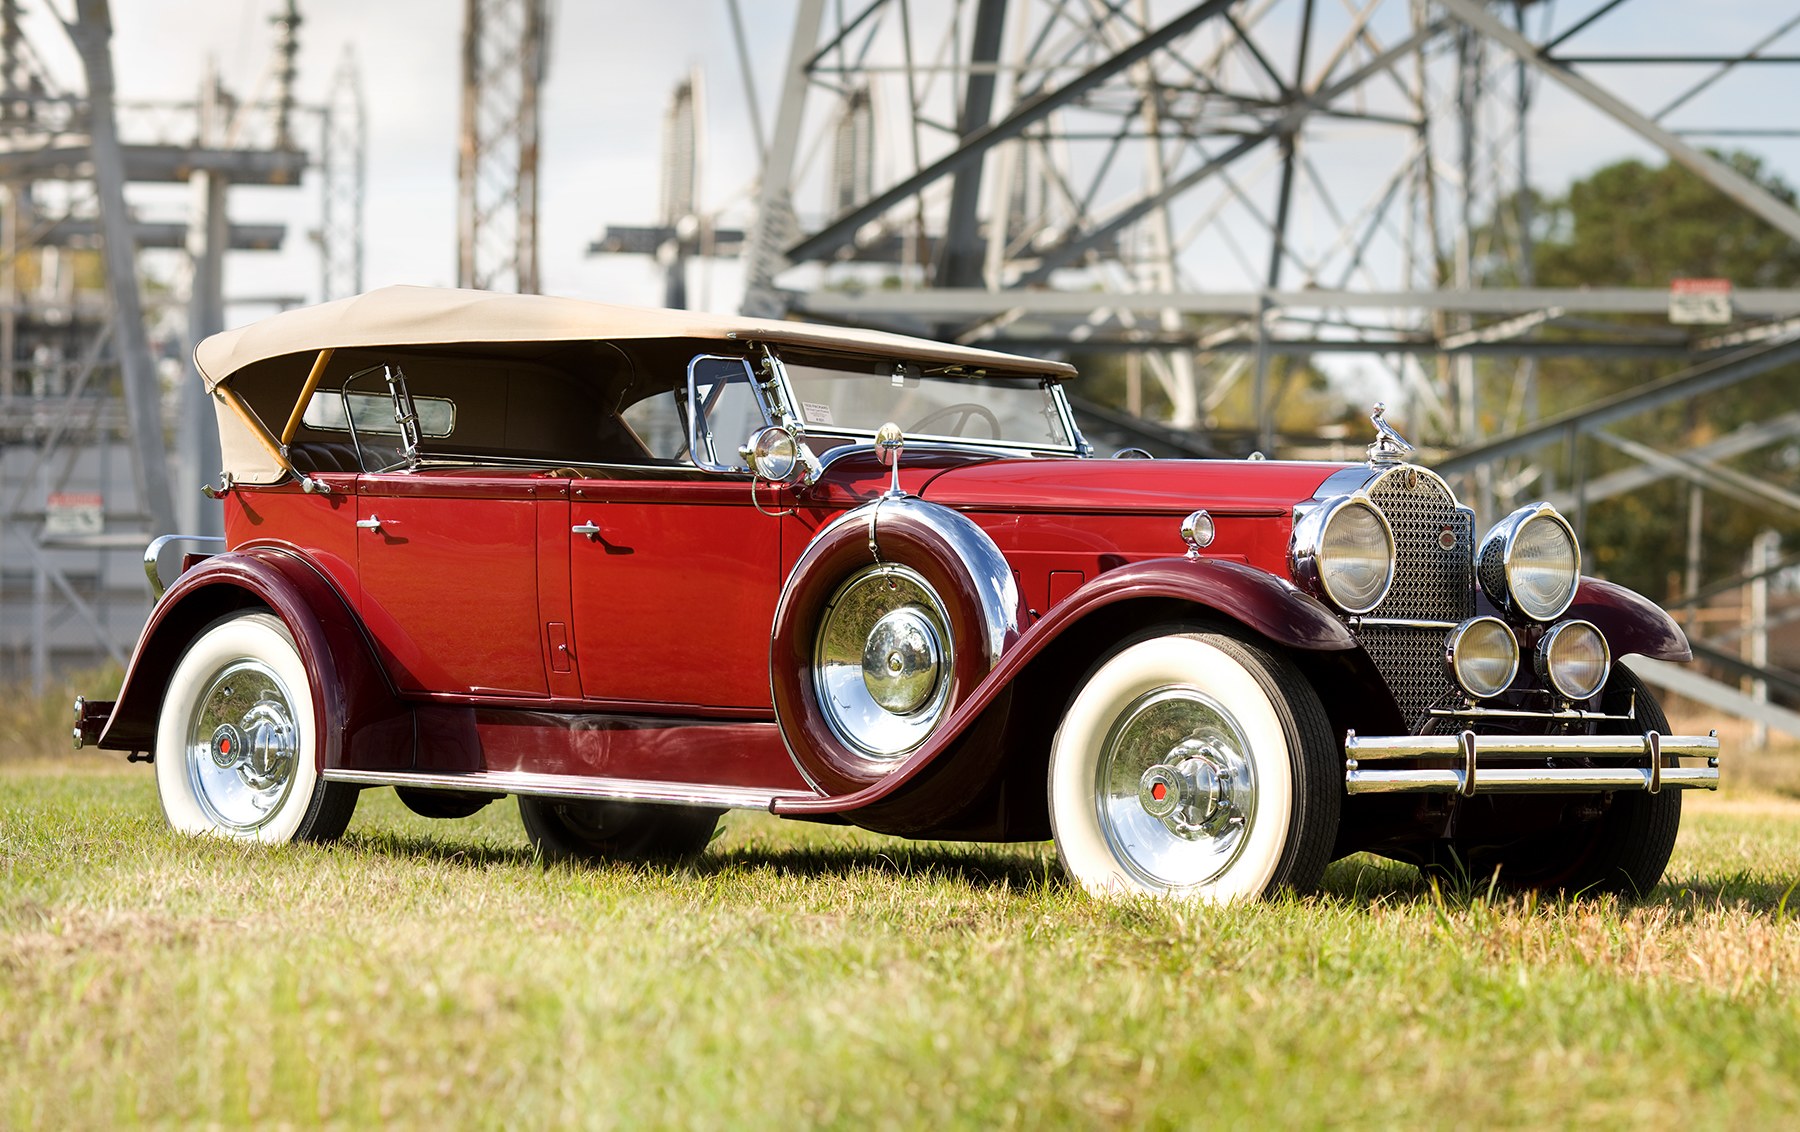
1621, 849
236, 744
1194, 765
601, 831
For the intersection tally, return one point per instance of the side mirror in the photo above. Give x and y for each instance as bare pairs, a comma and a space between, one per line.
773, 454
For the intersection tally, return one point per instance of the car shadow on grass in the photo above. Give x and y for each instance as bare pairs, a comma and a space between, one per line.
982, 867
1360, 879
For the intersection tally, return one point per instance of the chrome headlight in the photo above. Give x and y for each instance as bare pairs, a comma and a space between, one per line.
1345, 552
1529, 563
1482, 656
1574, 659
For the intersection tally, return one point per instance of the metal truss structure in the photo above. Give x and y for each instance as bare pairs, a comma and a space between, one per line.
1240, 179
1213, 186
503, 66
344, 177
91, 377
686, 231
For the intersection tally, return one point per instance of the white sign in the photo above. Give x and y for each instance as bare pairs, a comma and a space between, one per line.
1700, 302
72, 513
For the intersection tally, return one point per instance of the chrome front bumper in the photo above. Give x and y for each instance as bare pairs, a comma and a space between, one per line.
1495, 764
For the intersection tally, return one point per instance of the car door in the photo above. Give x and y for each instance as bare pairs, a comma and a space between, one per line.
673, 584
674, 569
448, 567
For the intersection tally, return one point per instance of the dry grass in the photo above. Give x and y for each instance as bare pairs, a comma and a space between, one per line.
430, 973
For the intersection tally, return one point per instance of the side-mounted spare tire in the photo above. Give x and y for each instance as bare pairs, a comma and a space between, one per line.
892, 617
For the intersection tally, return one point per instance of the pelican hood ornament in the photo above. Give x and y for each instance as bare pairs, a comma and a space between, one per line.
1390, 447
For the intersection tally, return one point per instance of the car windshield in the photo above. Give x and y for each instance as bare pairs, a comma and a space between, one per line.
1022, 412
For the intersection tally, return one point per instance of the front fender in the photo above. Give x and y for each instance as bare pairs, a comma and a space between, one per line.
359, 720
1259, 601
1631, 622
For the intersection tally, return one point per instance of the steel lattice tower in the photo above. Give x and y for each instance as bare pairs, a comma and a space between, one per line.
504, 53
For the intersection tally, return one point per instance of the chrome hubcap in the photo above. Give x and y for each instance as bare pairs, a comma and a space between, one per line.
1176, 790
242, 745
900, 662
882, 661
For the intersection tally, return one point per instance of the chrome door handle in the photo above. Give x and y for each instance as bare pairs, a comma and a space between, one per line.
372, 523
590, 530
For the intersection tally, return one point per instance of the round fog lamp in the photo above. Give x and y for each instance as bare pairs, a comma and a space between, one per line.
1574, 659
1482, 656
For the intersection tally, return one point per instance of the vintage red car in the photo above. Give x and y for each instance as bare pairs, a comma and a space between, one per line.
638, 567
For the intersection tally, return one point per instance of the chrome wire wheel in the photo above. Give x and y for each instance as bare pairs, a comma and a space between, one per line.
1197, 765
242, 740
236, 743
883, 661
1174, 789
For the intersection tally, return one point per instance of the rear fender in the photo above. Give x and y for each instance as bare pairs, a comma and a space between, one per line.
1178, 587
1630, 622
359, 721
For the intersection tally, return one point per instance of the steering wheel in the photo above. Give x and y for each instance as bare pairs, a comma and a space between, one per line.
963, 411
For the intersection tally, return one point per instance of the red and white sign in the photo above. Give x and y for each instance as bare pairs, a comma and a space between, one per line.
73, 513
1699, 302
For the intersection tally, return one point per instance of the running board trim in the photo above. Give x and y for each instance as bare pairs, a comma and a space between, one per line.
571, 786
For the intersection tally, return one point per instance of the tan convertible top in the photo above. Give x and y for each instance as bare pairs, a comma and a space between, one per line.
433, 316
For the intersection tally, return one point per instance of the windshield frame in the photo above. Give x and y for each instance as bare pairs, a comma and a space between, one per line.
837, 436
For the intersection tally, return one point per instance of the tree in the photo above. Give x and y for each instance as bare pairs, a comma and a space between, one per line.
1633, 225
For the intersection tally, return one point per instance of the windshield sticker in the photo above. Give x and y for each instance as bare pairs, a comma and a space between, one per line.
816, 413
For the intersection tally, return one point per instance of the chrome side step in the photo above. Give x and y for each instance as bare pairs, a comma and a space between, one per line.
1478, 755
571, 786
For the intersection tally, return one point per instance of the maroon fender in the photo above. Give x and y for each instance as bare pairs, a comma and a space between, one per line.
1631, 622
955, 559
1258, 601
355, 713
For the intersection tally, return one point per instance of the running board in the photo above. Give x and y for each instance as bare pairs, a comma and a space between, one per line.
570, 786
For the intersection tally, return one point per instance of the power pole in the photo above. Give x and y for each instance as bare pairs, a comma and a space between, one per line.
504, 56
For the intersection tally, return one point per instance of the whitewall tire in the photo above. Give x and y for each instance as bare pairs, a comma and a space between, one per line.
236, 748
1194, 765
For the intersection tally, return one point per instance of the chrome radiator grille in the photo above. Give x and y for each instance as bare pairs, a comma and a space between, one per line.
1434, 580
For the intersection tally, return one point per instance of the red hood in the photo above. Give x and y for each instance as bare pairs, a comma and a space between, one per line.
1173, 487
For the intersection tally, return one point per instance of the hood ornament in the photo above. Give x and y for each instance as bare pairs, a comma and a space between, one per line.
1390, 447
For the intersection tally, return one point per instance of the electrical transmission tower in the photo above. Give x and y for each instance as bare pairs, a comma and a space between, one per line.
85, 470
1212, 185
687, 230
343, 167
504, 54
1216, 188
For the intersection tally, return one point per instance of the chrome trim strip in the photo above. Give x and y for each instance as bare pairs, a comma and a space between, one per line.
1534, 781
1377, 749
572, 786
1566, 715
1403, 623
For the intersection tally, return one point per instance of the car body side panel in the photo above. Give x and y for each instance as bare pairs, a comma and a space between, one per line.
1263, 604
738, 753
674, 594
449, 582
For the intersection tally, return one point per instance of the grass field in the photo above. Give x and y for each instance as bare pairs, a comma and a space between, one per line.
432, 973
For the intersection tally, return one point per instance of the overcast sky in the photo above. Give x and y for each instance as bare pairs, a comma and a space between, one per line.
612, 68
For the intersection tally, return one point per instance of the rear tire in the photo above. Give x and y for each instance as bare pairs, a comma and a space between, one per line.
236, 748
602, 830
1622, 851
1224, 735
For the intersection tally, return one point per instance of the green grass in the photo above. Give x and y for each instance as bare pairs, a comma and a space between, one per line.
424, 973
